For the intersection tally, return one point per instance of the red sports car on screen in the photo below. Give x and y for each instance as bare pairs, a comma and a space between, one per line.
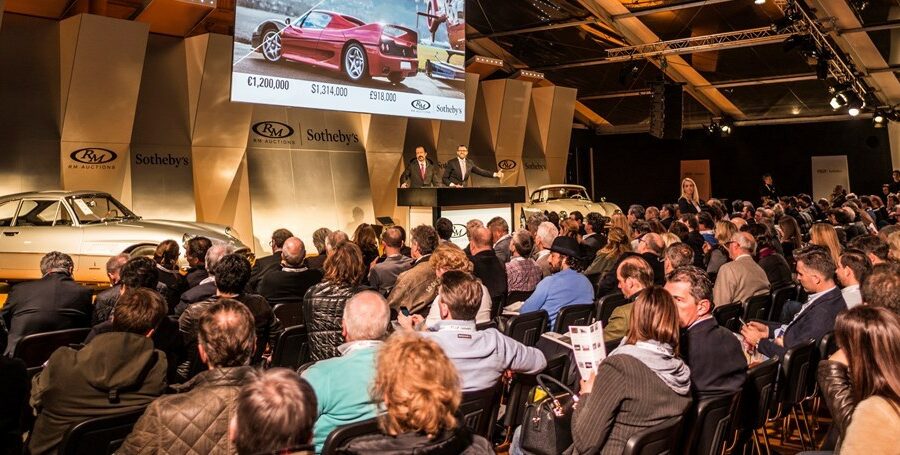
341, 43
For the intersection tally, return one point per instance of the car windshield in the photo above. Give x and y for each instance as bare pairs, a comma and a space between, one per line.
98, 208
566, 193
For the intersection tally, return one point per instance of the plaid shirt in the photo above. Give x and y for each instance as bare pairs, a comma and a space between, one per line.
522, 274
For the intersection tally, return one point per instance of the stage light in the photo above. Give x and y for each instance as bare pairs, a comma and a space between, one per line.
759, 2
879, 119
855, 104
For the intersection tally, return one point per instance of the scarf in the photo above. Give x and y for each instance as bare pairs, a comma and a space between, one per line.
660, 358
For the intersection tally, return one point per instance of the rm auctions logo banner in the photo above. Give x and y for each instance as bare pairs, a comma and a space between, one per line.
93, 158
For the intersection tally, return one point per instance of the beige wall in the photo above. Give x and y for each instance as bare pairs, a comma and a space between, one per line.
168, 99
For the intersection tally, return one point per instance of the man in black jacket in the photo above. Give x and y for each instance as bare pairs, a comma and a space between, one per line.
195, 252
815, 271
712, 352
487, 266
206, 288
106, 299
264, 265
420, 172
288, 283
457, 171
54, 302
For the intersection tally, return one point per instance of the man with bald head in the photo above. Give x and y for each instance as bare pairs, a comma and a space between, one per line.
364, 324
290, 282
264, 265
487, 266
741, 278
207, 287
383, 275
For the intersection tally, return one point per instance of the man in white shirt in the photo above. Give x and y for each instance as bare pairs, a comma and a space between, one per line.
854, 267
457, 172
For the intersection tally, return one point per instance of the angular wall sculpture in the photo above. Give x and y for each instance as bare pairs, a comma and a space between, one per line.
101, 60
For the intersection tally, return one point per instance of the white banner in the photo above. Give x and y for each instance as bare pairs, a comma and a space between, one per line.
251, 88
828, 172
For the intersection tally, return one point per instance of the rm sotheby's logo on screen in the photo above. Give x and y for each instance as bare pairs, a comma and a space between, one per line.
506, 165
93, 158
271, 132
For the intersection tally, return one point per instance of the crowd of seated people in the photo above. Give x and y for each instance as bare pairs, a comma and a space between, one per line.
400, 329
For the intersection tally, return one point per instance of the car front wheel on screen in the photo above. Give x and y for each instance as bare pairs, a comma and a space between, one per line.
355, 62
271, 46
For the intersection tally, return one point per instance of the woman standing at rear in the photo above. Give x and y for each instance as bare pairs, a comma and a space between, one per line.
641, 384
689, 202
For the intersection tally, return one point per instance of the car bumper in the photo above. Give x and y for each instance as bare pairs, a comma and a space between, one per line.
382, 65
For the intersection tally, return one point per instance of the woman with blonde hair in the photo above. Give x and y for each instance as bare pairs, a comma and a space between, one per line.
620, 221
893, 241
449, 257
823, 234
689, 201
418, 389
617, 244
640, 384
717, 256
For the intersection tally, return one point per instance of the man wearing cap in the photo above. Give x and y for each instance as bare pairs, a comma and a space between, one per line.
565, 286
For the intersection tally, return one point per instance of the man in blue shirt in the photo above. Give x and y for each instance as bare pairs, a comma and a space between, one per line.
480, 356
342, 383
566, 286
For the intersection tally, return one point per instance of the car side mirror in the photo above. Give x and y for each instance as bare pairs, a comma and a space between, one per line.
287, 21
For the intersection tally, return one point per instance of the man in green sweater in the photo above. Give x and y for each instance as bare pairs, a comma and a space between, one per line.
347, 400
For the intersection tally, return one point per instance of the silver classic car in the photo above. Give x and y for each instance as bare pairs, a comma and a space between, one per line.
565, 199
90, 226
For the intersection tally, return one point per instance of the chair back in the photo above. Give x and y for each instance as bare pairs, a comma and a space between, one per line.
341, 435
758, 307
656, 440
794, 381
757, 395
35, 349
711, 424
729, 315
479, 410
612, 344
608, 303
486, 325
292, 348
518, 296
290, 314
779, 297
576, 315
527, 328
497, 304
100, 435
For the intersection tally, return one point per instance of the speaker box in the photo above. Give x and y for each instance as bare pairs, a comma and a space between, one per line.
666, 110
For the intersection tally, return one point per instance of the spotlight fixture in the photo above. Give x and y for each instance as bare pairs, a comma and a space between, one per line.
879, 119
855, 105
759, 2
721, 127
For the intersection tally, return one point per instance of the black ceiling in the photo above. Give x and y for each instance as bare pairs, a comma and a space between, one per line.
547, 48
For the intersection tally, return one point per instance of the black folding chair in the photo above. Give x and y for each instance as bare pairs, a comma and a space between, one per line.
711, 424
343, 434
758, 307
779, 297
729, 315
527, 328
577, 315
608, 303
661, 439
289, 314
518, 296
757, 396
793, 385
479, 410
100, 435
35, 349
292, 348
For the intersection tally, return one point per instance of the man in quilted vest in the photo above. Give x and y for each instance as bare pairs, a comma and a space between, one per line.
195, 419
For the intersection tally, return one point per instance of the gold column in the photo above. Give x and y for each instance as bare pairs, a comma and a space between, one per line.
100, 61
219, 130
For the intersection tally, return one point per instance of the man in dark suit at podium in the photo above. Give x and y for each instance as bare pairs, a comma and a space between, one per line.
420, 172
457, 172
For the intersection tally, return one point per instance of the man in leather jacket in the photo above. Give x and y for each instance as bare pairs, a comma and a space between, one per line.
196, 418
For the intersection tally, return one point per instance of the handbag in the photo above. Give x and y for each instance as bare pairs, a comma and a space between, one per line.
547, 424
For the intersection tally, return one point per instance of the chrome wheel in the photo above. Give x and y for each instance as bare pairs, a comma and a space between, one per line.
355, 62
271, 46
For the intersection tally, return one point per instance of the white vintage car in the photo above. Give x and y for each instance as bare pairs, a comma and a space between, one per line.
90, 226
565, 199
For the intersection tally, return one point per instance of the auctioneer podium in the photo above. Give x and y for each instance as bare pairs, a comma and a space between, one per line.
460, 205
